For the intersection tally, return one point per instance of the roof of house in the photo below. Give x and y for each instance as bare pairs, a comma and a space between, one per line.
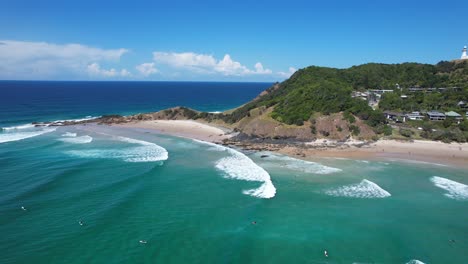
393, 113
452, 114
414, 114
435, 113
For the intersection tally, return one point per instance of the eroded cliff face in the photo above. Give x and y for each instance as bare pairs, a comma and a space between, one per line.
259, 124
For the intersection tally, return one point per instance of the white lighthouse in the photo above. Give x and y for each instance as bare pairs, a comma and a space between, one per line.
464, 56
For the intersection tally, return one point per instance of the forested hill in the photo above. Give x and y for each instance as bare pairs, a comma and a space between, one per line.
328, 90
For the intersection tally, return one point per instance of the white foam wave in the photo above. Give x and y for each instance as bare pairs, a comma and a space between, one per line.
15, 136
301, 165
69, 134
455, 190
364, 189
239, 166
415, 261
77, 140
20, 127
144, 152
87, 118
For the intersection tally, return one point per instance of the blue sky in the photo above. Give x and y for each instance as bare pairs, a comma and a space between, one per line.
220, 40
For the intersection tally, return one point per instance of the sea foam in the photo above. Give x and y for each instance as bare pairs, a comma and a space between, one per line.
238, 166
15, 136
300, 165
364, 189
415, 261
20, 127
455, 190
69, 134
143, 152
77, 140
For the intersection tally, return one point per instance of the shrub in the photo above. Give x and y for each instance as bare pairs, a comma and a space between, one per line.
349, 117
313, 129
406, 132
354, 130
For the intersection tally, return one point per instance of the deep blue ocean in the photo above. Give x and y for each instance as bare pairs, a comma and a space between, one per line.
24, 102
107, 194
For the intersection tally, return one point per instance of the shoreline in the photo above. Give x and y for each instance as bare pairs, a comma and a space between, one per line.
418, 151
183, 128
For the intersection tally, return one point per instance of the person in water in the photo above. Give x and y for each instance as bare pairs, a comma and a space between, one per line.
80, 222
325, 253
22, 207
254, 222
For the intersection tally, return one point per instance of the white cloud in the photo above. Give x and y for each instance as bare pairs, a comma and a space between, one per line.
260, 70
184, 59
208, 64
288, 74
29, 60
125, 73
229, 67
146, 69
95, 70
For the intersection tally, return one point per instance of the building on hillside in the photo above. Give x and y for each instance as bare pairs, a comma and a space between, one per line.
360, 95
432, 89
463, 105
453, 115
415, 116
380, 91
395, 116
464, 56
435, 116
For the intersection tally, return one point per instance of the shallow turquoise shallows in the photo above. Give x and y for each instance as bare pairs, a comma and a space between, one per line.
97, 194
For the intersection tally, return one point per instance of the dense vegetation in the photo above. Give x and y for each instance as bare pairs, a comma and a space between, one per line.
418, 101
328, 90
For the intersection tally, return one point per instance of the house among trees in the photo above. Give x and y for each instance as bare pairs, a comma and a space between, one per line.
463, 105
453, 115
415, 116
436, 116
395, 116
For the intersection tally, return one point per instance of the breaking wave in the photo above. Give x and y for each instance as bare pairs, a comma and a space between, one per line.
455, 190
77, 140
415, 261
364, 189
144, 152
87, 118
15, 136
302, 165
238, 166
25, 126
69, 134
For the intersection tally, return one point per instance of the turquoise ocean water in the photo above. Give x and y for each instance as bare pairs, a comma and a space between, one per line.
94, 194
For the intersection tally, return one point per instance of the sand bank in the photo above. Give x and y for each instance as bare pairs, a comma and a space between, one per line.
184, 128
406, 151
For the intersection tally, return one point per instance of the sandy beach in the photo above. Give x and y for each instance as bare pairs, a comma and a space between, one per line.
406, 151
417, 151
184, 128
